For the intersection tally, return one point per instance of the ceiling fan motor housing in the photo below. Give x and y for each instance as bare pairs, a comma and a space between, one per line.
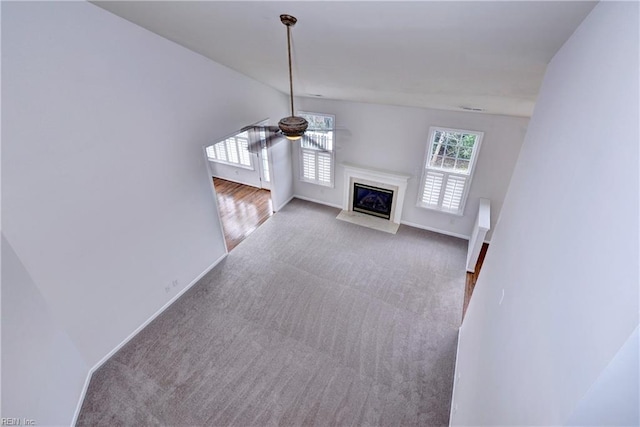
293, 126
288, 20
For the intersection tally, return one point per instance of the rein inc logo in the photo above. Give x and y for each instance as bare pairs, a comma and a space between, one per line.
17, 422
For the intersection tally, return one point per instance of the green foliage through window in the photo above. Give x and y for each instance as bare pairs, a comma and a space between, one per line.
452, 151
449, 163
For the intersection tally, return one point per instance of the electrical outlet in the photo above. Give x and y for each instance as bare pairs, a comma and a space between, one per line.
167, 289
175, 283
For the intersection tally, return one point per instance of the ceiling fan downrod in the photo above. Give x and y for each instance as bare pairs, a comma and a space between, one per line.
289, 21
292, 127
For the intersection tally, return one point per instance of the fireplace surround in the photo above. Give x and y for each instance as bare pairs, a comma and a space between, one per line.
387, 181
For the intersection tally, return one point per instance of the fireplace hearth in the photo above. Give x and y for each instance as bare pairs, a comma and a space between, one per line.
372, 200
373, 197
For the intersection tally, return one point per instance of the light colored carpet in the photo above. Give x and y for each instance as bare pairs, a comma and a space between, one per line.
368, 221
309, 321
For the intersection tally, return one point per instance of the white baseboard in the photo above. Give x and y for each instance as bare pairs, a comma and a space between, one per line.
284, 204
83, 393
436, 230
236, 181
455, 376
134, 333
411, 224
320, 202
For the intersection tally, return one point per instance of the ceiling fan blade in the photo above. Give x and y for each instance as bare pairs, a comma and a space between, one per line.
255, 140
316, 144
273, 137
254, 147
341, 130
258, 128
261, 136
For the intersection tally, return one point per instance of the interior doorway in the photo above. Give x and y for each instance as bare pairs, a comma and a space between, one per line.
240, 171
242, 208
472, 278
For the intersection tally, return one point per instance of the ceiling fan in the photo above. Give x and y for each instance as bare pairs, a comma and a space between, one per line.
292, 127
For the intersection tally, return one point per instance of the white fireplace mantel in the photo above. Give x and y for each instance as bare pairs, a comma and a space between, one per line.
382, 178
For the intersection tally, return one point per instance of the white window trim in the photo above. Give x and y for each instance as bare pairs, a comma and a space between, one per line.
251, 165
317, 154
447, 173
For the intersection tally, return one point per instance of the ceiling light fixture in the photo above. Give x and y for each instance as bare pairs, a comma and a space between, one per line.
292, 127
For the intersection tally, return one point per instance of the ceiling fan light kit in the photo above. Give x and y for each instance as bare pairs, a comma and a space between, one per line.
292, 127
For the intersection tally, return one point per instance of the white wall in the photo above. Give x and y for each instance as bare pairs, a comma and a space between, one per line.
53, 370
106, 198
395, 138
565, 250
281, 173
614, 398
241, 175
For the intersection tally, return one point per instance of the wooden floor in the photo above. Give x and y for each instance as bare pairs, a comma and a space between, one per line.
472, 278
242, 209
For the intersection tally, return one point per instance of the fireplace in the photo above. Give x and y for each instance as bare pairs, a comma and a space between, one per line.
372, 200
373, 197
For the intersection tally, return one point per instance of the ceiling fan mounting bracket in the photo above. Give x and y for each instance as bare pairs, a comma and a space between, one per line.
288, 20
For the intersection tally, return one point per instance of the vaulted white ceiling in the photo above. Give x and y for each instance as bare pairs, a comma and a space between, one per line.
446, 55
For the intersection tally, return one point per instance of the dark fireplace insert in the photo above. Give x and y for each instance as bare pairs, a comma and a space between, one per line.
372, 200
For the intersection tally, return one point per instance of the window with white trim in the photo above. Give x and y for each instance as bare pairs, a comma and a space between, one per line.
265, 164
317, 156
449, 164
233, 151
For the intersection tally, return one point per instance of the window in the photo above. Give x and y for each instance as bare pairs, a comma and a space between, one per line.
317, 156
449, 164
233, 150
265, 164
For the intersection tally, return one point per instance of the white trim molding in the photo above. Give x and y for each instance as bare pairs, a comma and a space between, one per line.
134, 333
480, 228
377, 177
320, 202
436, 230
